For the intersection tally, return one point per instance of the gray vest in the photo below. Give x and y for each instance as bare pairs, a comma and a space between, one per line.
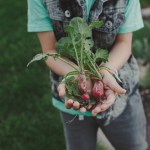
112, 13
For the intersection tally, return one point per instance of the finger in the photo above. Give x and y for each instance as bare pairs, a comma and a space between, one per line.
112, 83
96, 110
111, 96
76, 105
117, 88
61, 89
69, 103
82, 110
89, 107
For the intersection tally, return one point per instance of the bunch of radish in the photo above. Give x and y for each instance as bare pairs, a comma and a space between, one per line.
77, 46
96, 93
78, 90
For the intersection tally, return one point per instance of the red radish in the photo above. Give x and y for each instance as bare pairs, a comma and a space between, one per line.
69, 104
98, 89
85, 97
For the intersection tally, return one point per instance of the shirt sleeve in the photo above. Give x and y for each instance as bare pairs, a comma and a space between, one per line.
133, 17
38, 18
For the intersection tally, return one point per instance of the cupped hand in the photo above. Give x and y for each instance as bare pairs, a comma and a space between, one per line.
111, 82
112, 88
109, 100
69, 103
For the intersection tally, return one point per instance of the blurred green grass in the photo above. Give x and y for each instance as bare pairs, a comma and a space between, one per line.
27, 119
141, 48
145, 3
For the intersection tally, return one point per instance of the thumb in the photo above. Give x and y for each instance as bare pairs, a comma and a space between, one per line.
116, 87
61, 89
111, 82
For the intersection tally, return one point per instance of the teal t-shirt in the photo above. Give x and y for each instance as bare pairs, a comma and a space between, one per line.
38, 21
38, 18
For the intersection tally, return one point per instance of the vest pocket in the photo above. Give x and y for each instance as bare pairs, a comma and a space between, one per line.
112, 19
54, 9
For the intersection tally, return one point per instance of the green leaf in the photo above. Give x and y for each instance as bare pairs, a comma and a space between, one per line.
68, 29
71, 73
88, 44
72, 87
65, 47
101, 55
37, 57
54, 55
80, 26
96, 24
43, 56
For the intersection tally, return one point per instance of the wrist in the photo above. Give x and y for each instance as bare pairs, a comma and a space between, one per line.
110, 65
104, 70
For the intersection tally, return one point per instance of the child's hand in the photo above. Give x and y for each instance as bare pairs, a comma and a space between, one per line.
111, 89
110, 81
69, 103
108, 102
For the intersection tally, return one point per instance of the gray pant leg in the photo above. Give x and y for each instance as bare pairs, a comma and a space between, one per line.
80, 134
128, 131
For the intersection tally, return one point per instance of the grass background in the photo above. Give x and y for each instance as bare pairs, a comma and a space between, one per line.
145, 3
27, 119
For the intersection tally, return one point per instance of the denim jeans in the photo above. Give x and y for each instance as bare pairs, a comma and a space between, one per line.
126, 132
